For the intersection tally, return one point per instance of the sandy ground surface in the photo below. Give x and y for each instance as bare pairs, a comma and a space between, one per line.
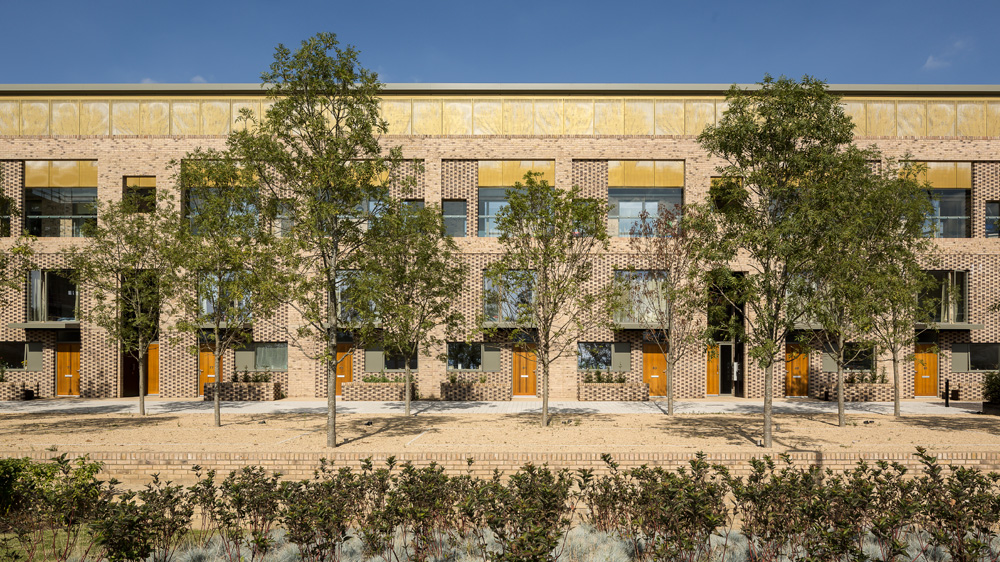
394, 433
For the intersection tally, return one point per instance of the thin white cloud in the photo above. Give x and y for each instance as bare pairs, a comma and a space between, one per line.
945, 58
148, 81
198, 80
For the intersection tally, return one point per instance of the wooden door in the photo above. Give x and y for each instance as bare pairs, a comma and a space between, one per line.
525, 381
68, 369
345, 365
796, 370
654, 369
206, 368
153, 369
712, 380
926, 363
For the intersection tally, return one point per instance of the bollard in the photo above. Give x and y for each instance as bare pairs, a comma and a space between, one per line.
947, 392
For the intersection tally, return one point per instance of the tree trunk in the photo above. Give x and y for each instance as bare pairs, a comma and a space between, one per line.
768, 398
331, 390
841, 418
545, 391
670, 387
142, 382
218, 385
895, 383
408, 383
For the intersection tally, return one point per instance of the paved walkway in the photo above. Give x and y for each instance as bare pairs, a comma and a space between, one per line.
707, 406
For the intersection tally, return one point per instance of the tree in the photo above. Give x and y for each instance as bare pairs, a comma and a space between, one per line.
234, 276
548, 236
16, 258
781, 142
128, 263
316, 155
408, 281
669, 298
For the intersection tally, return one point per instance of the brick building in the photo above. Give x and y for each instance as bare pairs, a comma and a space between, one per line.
63, 147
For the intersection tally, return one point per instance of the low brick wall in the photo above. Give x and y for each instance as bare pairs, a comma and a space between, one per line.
12, 390
244, 391
629, 391
866, 392
969, 391
480, 392
375, 391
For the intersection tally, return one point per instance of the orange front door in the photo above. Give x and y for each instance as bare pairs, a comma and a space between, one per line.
796, 370
712, 382
524, 371
654, 369
68, 369
206, 368
926, 363
345, 365
153, 369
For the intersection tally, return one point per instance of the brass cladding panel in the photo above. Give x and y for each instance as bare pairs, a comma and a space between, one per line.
502, 173
645, 173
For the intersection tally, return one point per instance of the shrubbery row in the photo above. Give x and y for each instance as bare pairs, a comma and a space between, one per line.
59, 510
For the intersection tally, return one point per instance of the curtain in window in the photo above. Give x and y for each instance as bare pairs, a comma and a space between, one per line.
36, 304
272, 356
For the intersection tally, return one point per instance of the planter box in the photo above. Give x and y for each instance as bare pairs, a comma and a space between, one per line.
243, 391
376, 391
629, 391
991, 408
479, 392
968, 391
865, 392
12, 391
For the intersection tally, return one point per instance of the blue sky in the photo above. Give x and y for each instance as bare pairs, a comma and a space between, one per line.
912, 42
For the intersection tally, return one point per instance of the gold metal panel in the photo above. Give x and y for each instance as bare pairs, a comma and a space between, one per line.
616, 173
971, 119
911, 118
514, 170
963, 175
397, 113
639, 173
856, 111
35, 118
10, 118
942, 174
487, 117
669, 117
64, 173
36, 173
941, 119
882, 118
140, 181
518, 117
578, 117
185, 119
548, 117
490, 173
124, 118
609, 116
992, 119
720, 108
457, 117
94, 118
698, 114
669, 173
238, 106
215, 117
639, 117
426, 117
88, 173
65, 118
545, 167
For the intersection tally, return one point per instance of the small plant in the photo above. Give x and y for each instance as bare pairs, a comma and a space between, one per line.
382, 377
482, 379
620, 378
588, 377
452, 378
991, 387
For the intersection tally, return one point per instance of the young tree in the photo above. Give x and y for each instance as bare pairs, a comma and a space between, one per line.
128, 262
781, 142
316, 153
234, 275
669, 298
409, 278
548, 236
16, 257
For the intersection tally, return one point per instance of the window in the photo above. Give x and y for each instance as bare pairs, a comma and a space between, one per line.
397, 361
60, 197
454, 217
984, 356
414, 203
495, 177
140, 192
993, 219
504, 303
951, 199
858, 357
4, 216
52, 297
281, 214
646, 299
948, 298
465, 356
221, 293
13, 355
642, 186
593, 356
347, 305
270, 356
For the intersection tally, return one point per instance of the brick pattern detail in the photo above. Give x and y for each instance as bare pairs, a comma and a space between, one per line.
591, 176
460, 180
408, 169
244, 391
632, 392
969, 392
867, 392
13, 391
476, 392
373, 391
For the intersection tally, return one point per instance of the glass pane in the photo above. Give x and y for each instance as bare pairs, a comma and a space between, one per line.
950, 217
397, 362
12, 355
984, 356
36, 297
59, 212
454, 218
491, 201
464, 356
271, 356
992, 219
60, 293
594, 356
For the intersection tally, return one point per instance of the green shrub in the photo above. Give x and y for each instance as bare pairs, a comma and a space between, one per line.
991, 387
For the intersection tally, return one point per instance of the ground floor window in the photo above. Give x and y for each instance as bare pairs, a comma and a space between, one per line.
271, 356
594, 356
984, 356
13, 355
398, 361
859, 357
465, 356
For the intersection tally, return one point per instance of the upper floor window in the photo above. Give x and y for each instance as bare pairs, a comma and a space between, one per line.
951, 198
140, 192
4, 217
52, 297
506, 301
495, 178
636, 187
454, 217
949, 297
221, 293
993, 219
646, 301
60, 197
349, 307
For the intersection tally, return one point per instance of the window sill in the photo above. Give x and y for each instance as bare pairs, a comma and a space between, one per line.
949, 326
62, 325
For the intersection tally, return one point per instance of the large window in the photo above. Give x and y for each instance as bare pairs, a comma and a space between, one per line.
495, 177
140, 192
593, 356
993, 219
858, 357
638, 188
13, 355
349, 310
951, 199
271, 356
508, 300
60, 197
947, 300
646, 300
454, 217
465, 356
984, 356
4, 217
52, 297
398, 361
221, 293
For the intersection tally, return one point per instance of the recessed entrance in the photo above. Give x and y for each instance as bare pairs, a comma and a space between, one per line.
925, 359
525, 382
723, 360
68, 369
130, 373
